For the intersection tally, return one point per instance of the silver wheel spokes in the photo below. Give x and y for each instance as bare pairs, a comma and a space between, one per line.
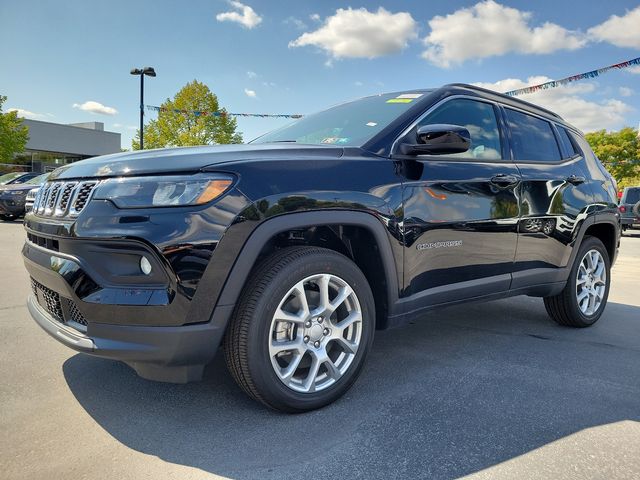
315, 333
591, 282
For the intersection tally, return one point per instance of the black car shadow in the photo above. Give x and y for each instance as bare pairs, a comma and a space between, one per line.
465, 389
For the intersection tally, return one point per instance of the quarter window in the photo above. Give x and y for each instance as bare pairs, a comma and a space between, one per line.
566, 143
532, 138
477, 117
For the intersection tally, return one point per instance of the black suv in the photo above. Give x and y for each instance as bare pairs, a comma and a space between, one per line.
291, 250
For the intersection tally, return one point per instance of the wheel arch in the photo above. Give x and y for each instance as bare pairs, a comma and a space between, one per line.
346, 232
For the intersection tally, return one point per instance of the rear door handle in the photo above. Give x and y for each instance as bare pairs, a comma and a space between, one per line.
575, 179
504, 180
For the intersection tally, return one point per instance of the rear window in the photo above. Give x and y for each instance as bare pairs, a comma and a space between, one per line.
532, 138
631, 195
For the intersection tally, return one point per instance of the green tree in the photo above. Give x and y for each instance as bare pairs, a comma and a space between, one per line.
174, 129
13, 134
619, 151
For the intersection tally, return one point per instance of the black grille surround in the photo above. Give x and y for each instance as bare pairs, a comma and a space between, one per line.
63, 198
62, 309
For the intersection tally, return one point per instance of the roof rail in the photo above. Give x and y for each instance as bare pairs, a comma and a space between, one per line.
509, 98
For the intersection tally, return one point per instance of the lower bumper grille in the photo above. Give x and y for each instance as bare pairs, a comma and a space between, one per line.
62, 309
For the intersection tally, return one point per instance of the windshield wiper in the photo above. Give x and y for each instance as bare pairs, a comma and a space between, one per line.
283, 141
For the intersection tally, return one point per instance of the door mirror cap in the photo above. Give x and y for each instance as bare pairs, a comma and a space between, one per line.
440, 139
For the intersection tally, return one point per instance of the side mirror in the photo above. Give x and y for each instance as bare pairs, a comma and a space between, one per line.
440, 139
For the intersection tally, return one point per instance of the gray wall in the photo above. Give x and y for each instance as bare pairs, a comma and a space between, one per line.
55, 137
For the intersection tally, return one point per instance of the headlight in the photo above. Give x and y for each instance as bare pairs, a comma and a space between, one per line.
164, 191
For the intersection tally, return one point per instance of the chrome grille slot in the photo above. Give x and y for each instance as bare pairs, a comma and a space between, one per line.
81, 196
42, 198
52, 198
65, 196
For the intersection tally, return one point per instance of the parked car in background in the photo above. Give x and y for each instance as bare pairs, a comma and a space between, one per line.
13, 197
15, 178
630, 208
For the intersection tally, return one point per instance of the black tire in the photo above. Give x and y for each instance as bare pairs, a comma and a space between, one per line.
564, 308
246, 340
7, 218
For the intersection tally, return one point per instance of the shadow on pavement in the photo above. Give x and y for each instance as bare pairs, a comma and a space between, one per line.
465, 389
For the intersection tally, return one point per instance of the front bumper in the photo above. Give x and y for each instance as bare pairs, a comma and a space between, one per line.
11, 206
626, 221
168, 354
77, 303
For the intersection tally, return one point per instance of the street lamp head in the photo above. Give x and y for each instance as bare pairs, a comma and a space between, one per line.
149, 71
136, 71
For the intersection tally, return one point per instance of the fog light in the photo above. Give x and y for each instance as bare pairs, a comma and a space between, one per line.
145, 265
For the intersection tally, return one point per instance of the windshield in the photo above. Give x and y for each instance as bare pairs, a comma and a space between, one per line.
7, 177
40, 179
347, 124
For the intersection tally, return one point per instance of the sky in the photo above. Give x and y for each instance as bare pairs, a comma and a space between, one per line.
68, 61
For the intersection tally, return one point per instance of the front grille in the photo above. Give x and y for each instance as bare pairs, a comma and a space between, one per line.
48, 243
62, 309
75, 314
48, 299
63, 199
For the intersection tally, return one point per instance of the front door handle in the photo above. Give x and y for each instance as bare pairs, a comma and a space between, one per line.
575, 179
504, 180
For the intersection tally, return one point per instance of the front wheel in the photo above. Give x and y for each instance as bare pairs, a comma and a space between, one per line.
583, 299
302, 329
7, 218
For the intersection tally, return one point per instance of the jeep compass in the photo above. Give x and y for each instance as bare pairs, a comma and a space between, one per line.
290, 251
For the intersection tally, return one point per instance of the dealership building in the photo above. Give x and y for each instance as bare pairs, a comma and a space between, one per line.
51, 145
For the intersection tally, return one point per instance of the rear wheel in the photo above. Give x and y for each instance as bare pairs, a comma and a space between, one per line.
583, 299
302, 329
7, 218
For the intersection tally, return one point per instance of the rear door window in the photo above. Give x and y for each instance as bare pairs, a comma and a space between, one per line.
532, 138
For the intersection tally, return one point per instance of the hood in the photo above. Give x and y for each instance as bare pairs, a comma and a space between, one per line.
190, 159
18, 187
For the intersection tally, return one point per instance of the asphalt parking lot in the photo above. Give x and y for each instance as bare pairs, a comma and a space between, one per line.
492, 390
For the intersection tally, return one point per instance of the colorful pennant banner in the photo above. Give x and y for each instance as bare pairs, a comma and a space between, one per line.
573, 78
512, 93
222, 113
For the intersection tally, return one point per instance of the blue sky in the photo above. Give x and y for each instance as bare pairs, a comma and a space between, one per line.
299, 56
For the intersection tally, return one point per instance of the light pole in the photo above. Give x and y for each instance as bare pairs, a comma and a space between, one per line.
149, 71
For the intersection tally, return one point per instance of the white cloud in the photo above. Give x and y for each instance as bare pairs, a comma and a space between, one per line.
247, 17
250, 93
625, 91
635, 69
27, 114
359, 33
621, 31
315, 17
568, 103
95, 107
251, 74
296, 22
489, 29
358, 83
